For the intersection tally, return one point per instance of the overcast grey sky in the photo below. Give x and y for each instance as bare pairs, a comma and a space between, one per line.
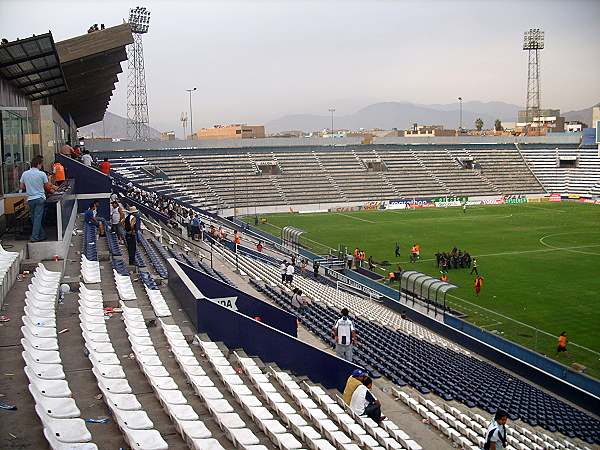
253, 61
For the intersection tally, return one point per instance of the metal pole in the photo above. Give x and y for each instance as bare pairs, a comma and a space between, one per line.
191, 113
211, 253
460, 123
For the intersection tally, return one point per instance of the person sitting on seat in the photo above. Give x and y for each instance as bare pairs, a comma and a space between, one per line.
364, 403
354, 381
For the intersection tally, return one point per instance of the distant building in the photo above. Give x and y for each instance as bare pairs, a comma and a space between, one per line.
575, 126
235, 131
595, 116
167, 136
428, 131
548, 119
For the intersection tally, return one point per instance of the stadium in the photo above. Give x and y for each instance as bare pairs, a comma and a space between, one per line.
175, 324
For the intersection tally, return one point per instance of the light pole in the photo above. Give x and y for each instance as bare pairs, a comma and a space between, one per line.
332, 111
191, 116
460, 107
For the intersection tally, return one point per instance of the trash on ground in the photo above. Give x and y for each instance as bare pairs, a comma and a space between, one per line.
7, 407
4, 319
92, 420
63, 331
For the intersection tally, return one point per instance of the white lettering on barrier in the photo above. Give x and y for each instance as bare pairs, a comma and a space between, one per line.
350, 282
227, 302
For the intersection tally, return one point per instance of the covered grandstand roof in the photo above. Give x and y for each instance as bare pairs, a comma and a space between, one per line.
90, 64
33, 66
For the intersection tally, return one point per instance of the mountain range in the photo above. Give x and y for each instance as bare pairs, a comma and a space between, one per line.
385, 115
113, 126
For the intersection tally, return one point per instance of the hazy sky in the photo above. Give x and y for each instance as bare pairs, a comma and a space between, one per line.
253, 61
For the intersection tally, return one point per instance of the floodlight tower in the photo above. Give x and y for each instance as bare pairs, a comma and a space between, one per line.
137, 101
533, 42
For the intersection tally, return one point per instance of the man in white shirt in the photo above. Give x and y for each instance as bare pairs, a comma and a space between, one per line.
344, 334
86, 158
495, 436
364, 403
117, 217
289, 274
282, 268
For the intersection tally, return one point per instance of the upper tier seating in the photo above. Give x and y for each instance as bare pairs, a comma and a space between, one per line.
222, 178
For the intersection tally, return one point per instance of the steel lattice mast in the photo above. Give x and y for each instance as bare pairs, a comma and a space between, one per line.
137, 100
533, 42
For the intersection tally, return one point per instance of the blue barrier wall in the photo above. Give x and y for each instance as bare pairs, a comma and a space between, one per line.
256, 338
552, 367
87, 181
271, 345
248, 305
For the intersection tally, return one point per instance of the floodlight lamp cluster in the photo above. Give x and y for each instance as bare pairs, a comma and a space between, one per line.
139, 19
533, 39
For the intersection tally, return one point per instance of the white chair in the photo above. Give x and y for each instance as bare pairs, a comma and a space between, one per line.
58, 408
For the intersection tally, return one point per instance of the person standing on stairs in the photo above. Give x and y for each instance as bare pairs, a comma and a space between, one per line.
131, 225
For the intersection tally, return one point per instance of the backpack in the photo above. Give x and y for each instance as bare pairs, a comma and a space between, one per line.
128, 225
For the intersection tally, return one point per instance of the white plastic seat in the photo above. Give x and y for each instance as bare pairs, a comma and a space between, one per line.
260, 413
183, 413
109, 370
134, 420
171, 396
44, 344
55, 444
147, 350
56, 407
138, 332
95, 337
100, 347
47, 315
124, 402
44, 371
40, 325
194, 429
41, 356
96, 320
182, 351
156, 371
227, 372
48, 388
145, 440
38, 332
187, 361
199, 381
287, 441
229, 420
142, 341
194, 371
163, 383
209, 392
40, 305
148, 360
243, 437
94, 327
218, 406
65, 430
113, 385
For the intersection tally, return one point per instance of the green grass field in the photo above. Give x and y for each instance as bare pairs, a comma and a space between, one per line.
541, 264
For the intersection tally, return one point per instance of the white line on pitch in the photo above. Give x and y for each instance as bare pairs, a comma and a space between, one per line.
355, 218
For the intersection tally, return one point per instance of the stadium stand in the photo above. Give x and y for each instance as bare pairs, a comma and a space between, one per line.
583, 177
423, 364
225, 178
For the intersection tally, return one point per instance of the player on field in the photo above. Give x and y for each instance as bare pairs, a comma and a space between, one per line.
478, 284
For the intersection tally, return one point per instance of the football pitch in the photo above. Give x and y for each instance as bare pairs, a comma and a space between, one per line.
540, 263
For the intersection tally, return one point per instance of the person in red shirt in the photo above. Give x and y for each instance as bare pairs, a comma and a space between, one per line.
105, 167
478, 284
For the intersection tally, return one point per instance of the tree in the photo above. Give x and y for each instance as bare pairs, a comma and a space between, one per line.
498, 125
479, 124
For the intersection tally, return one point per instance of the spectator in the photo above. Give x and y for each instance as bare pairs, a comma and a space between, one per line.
104, 166
34, 181
345, 336
316, 266
259, 247
349, 260
299, 301
91, 219
86, 158
76, 152
66, 149
289, 274
353, 381
364, 403
495, 436
117, 217
562, 343
58, 173
131, 225
282, 270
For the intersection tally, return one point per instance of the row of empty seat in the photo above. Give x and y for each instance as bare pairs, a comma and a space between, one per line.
54, 405
220, 179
